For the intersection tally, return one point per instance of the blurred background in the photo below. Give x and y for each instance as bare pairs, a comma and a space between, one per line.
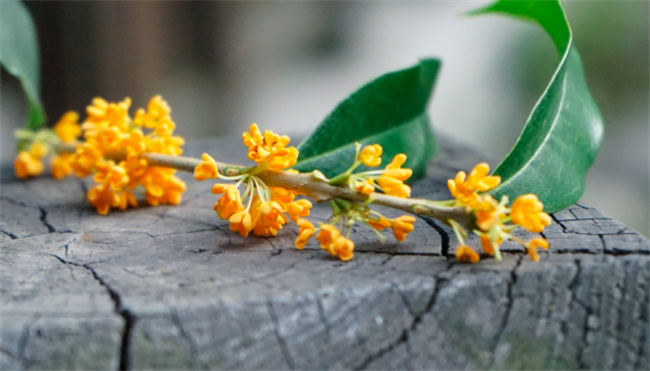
285, 65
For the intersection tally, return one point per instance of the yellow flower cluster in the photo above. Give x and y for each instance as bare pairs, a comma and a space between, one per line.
109, 132
492, 216
116, 149
29, 163
67, 130
270, 150
261, 209
330, 239
390, 180
264, 210
347, 213
112, 151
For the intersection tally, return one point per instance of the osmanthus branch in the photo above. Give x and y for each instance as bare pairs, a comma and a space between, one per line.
310, 185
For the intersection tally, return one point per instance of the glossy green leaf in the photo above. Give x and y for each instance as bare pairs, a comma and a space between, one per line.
390, 111
564, 131
19, 55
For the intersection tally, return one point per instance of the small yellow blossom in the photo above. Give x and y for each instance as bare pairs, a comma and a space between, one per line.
479, 180
38, 150
85, 158
165, 127
103, 115
97, 110
466, 254
135, 167
464, 187
371, 155
538, 242
487, 244
169, 145
527, 212
107, 140
331, 240
392, 179
269, 149
366, 186
464, 195
532, 245
488, 212
299, 209
342, 247
268, 217
306, 231
161, 186
283, 158
156, 115
206, 169
28, 163
253, 138
380, 223
328, 233
241, 222
402, 226
127, 198
172, 195
68, 128
111, 174
228, 204
103, 198
282, 195
134, 142
61, 165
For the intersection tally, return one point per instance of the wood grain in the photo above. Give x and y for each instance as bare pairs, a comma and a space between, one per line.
173, 288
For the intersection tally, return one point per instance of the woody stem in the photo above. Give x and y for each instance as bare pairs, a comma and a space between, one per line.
308, 185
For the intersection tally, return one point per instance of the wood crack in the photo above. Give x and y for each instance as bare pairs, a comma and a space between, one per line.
281, 342
11, 235
193, 348
506, 316
417, 319
444, 237
119, 309
43, 219
129, 319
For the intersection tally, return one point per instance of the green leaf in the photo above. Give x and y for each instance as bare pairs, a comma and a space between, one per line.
19, 55
564, 131
390, 111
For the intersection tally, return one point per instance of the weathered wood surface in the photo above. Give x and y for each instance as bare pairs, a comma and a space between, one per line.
172, 287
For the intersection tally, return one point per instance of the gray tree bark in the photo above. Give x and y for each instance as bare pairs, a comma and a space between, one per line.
172, 287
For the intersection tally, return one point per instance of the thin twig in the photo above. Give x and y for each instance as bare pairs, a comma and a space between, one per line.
307, 184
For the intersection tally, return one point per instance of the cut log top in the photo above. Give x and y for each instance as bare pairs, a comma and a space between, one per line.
172, 287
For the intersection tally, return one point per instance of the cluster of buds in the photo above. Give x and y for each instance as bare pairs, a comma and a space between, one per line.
112, 151
264, 210
389, 180
260, 209
124, 154
495, 222
334, 237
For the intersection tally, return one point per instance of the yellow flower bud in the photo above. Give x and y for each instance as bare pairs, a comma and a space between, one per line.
371, 155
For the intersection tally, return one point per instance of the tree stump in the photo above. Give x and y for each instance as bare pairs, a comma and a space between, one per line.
172, 287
